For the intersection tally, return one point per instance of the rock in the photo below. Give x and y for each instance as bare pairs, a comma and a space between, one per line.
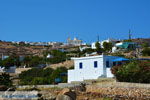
66, 94
3, 88
80, 88
48, 95
83, 87
64, 97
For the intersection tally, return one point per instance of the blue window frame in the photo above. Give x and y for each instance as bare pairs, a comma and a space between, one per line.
107, 64
95, 64
80, 65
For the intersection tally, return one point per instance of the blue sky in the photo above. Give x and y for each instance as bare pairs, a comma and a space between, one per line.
56, 20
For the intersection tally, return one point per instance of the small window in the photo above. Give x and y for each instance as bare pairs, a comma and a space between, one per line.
95, 64
80, 65
107, 64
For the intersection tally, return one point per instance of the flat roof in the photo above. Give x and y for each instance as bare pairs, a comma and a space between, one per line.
87, 57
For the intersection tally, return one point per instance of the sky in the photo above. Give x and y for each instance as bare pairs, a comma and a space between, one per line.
56, 20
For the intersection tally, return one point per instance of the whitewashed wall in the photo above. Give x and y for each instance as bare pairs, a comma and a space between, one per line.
89, 71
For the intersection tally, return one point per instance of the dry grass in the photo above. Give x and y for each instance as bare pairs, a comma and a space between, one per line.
19, 70
67, 64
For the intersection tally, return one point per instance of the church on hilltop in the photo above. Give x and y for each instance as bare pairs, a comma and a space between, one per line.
75, 42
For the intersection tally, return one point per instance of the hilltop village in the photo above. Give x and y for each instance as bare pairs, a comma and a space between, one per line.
74, 62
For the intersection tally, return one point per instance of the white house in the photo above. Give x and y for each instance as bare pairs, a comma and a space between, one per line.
109, 40
2, 69
93, 45
93, 67
49, 56
125, 46
113, 41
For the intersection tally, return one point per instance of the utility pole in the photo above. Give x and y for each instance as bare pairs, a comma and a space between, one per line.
129, 34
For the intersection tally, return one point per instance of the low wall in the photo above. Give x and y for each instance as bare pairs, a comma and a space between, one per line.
123, 85
60, 85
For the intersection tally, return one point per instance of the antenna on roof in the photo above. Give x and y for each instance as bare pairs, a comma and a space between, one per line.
129, 34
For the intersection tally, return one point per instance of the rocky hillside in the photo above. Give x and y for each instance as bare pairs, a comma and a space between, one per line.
7, 48
68, 64
141, 40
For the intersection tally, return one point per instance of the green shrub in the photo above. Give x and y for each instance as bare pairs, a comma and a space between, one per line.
135, 71
58, 57
56, 74
5, 79
146, 52
39, 76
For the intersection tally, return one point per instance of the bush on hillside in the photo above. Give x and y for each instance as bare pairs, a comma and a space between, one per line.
136, 71
59, 73
98, 49
58, 57
146, 52
5, 79
10, 61
107, 46
39, 76
32, 61
35, 76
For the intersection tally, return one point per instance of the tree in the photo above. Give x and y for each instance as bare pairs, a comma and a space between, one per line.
88, 50
58, 57
8, 62
33, 61
146, 52
98, 48
5, 79
26, 61
145, 45
38, 76
13, 60
107, 46
57, 74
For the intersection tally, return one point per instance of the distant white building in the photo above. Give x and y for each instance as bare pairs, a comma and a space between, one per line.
109, 40
55, 44
124, 46
75, 42
113, 41
93, 67
83, 48
93, 45
49, 56
2, 69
